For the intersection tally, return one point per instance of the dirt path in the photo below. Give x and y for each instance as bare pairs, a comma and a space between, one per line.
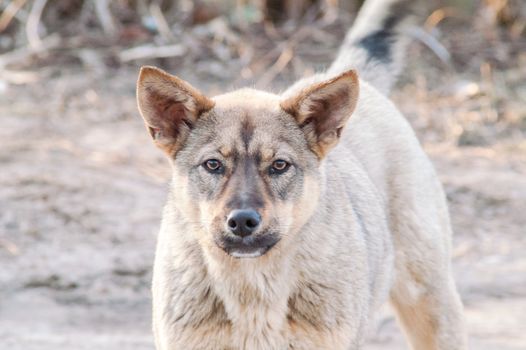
81, 191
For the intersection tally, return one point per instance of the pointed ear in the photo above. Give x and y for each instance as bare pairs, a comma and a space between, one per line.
322, 109
169, 106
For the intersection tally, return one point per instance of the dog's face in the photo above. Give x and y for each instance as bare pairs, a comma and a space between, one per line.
245, 164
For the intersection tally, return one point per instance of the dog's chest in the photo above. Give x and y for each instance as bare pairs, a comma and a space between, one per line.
299, 320
256, 306
315, 321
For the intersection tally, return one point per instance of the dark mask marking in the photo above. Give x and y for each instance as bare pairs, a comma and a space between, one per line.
246, 191
247, 131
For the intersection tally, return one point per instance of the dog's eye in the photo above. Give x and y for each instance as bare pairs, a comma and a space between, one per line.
213, 166
279, 167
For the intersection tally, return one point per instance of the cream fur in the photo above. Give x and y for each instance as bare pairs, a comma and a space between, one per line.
371, 225
392, 237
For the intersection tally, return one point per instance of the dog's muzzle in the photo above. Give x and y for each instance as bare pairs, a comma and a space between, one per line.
251, 246
243, 236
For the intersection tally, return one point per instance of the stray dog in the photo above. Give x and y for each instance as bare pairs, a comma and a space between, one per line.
291, 218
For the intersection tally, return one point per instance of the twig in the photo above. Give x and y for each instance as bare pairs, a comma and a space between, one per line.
20, 77
19, 55
289, 44
278, 66
148, 51
438, 16
102, 8
10, 12
433, 44
33, 23
161, 23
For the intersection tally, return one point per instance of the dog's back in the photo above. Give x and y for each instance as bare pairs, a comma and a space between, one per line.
370, 221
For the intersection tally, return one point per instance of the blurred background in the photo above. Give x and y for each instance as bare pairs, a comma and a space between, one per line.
82, 186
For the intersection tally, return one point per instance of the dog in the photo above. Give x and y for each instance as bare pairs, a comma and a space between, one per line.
291, 218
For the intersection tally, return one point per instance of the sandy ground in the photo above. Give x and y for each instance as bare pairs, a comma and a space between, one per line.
81, 192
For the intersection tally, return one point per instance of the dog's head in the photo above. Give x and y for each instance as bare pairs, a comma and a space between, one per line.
246, 163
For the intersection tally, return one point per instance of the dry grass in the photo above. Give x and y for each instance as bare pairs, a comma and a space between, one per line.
478, 97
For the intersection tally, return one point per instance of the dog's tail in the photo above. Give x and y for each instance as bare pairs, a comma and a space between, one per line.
375, 45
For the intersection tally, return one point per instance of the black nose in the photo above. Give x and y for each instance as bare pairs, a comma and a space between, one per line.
243, 222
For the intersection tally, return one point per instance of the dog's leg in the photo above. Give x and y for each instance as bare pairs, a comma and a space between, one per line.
431, 315
424, 293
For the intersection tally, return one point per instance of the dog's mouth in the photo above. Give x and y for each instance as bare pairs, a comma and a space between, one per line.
252, 246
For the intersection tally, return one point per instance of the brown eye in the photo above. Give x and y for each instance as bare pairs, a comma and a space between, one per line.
279, 167
213, 166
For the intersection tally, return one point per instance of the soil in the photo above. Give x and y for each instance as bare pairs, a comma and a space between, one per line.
81, 193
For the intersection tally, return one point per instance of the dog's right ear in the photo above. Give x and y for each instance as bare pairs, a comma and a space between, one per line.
169, 106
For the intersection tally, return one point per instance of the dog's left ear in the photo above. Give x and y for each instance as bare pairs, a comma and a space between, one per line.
322, 109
